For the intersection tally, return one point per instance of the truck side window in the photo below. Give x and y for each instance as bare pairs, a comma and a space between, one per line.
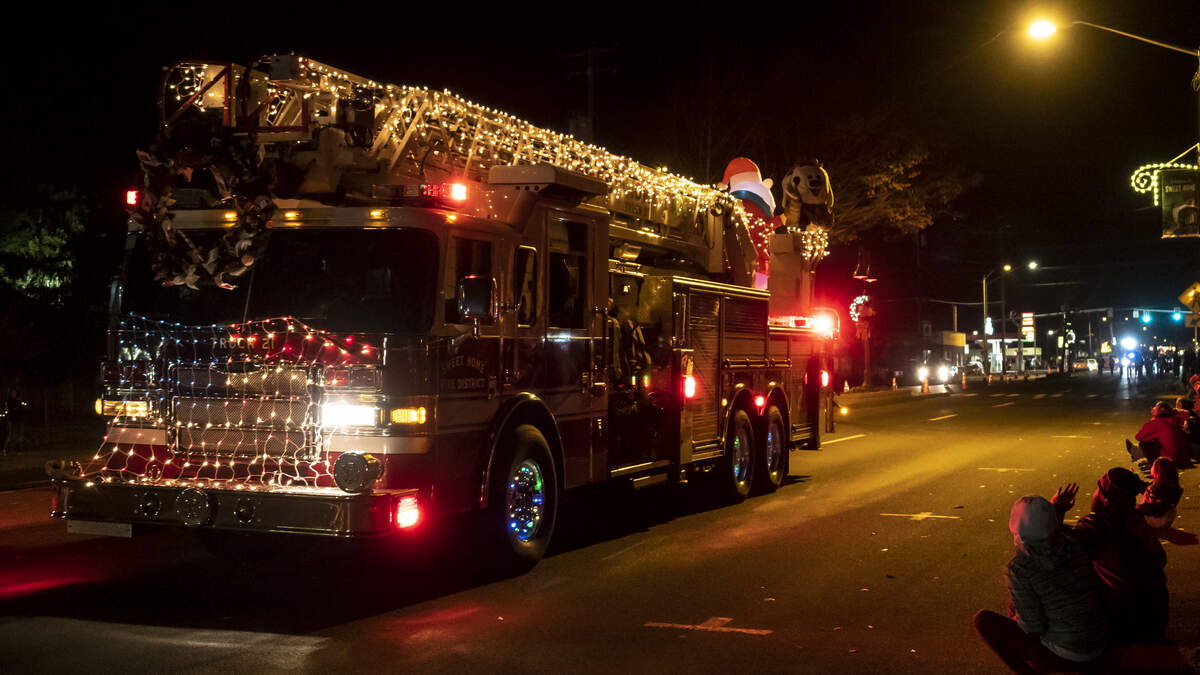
567, 282
465, 257
525, 286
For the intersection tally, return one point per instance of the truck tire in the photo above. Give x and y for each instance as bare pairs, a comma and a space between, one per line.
735, 473
772, 453
523, 493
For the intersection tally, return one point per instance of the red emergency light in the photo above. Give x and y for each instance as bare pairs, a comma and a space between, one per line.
455, 192
824, 378
689, 386
132, 197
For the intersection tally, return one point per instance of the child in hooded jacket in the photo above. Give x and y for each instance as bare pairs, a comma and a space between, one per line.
1056, 616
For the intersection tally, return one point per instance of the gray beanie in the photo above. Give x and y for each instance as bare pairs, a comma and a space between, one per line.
1033, 519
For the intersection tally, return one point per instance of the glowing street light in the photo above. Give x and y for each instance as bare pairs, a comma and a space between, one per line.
1032, 265
1008, 268
1040, 30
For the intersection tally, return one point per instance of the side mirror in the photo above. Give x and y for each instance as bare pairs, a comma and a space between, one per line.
476, 297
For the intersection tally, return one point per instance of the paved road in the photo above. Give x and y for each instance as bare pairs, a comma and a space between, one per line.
872, 559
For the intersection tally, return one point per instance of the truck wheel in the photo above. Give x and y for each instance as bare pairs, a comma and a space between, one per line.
772, 457
735, 473
522, 502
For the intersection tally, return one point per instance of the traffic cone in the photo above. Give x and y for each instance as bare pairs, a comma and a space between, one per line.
925, 386
845, 386
964, 381
989, 379
894, 387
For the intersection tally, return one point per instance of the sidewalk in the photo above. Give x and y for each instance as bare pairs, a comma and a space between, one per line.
75, 439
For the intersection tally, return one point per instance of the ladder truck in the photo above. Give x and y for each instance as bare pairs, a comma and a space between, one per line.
350, 309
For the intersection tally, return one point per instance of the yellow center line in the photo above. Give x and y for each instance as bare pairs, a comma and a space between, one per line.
943, 417
1001, 405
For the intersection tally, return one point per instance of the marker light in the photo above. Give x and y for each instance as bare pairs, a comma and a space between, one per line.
415, 415
824, 378
229, 216
689, 386
132, 197
408, 512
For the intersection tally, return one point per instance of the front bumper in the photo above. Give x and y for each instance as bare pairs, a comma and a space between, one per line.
214, 505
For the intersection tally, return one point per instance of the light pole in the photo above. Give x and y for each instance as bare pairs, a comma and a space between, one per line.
987, 357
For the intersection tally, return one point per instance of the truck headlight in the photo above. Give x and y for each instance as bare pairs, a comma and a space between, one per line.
342, 414
943, 373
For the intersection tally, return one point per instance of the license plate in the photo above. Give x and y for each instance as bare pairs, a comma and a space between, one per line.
99, 529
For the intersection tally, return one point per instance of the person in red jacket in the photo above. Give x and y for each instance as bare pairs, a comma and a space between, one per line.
1161, 436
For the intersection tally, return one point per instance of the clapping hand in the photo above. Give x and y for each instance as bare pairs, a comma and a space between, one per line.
1064, 499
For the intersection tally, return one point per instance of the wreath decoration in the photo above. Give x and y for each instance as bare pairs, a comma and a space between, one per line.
243, 180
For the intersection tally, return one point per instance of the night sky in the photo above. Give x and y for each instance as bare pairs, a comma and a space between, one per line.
1055, 130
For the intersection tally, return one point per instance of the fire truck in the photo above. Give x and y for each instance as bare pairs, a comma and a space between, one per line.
350, 309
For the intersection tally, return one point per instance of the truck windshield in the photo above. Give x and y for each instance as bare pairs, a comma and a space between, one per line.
337, 279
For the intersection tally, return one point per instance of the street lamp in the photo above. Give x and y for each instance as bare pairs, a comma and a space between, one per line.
1043, 29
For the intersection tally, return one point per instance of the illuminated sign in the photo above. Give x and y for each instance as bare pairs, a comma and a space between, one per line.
1027, 326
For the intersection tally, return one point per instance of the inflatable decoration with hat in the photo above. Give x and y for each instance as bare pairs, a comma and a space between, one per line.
745, 182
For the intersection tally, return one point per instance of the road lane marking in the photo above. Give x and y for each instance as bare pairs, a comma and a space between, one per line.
1059, 395
1071, 436
970, 395
846, 438
1013, 395
1092, 395
1002, 469
1038, 396
1001, 405
995, 395
943, 417
924, 515
714, 624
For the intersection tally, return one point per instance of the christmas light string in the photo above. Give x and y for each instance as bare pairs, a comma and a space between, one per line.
252, 427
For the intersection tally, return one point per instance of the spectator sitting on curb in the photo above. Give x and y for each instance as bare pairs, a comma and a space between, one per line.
1128, 557
1159, 501
1161, 435
1056, 617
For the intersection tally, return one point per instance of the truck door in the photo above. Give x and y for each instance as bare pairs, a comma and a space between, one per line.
573, 357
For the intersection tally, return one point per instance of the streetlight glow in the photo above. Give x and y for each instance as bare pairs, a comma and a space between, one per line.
1040, 30
1008, 268
1032, 264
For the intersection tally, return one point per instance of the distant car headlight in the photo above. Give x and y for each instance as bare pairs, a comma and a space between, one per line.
922, 373
943, 373
342, 414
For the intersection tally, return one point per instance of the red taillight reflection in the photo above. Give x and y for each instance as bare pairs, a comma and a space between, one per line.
408, 513
132, 197
824, 378
689, 386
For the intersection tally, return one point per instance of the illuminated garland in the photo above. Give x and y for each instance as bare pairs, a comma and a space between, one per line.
1145, 179
856, 307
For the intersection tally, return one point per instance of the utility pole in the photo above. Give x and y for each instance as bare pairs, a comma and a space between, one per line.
588, 131
987, 360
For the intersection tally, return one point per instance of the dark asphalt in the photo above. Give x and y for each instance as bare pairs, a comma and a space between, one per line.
872, 559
